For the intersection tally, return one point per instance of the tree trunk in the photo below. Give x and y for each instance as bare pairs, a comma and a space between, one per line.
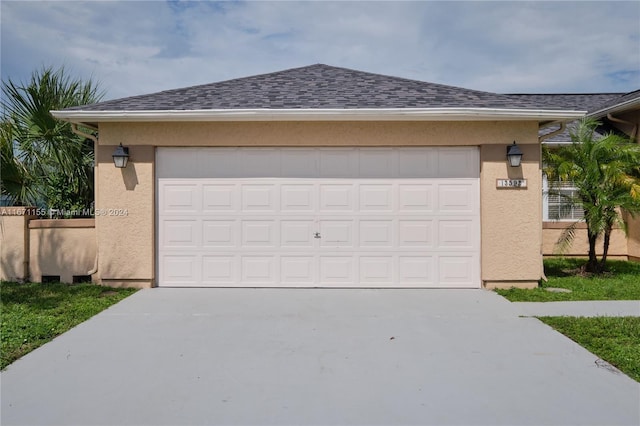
605, 248
592, 263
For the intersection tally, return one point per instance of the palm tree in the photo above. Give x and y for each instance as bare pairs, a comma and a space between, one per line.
605, 172
43, 161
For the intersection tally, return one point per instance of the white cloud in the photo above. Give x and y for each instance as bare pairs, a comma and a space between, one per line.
136, 47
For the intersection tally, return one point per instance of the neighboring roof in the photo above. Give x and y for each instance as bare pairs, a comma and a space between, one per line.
565, 136
598, 106
626, 101
319, 92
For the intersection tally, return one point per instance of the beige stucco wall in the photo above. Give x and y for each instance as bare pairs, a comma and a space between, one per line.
511, 219
580, 246
14, 243
125, 203
633, 241
317, 133
61, 247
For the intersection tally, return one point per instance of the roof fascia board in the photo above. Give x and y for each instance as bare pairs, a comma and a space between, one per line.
391, 114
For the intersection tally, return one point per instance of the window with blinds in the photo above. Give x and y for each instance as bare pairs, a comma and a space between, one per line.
560, 202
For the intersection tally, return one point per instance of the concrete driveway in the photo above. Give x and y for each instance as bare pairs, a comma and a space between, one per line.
321, 357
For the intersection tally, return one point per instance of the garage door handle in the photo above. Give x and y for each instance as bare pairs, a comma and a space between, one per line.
317, 235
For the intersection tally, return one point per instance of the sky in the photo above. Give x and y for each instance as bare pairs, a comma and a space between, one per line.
138, 47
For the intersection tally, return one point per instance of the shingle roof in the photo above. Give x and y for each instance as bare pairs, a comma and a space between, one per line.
597, 105
625, 99
319, 87
579, 101
565, 136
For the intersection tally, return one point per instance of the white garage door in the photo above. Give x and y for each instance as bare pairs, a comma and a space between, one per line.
318, 217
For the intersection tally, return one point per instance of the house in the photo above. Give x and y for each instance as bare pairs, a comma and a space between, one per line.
318, 177
617, 113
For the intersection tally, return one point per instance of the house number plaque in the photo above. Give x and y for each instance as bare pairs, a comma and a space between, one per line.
511, 183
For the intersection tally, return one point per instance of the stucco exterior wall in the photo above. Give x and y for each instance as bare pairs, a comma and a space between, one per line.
14, 243
125, 225
551, 231
511, 219
61, 247
318, 133
633, 241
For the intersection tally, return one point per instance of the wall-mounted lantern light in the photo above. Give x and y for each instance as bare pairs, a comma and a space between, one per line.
121, 156
514, 154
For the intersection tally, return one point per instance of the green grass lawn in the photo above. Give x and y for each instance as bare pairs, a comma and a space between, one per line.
616, 340
621, 282
33, 313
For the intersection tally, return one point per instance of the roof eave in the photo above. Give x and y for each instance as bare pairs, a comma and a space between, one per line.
362, 114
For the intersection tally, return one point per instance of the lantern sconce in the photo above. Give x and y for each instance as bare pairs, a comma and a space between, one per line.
121, 156
514, 155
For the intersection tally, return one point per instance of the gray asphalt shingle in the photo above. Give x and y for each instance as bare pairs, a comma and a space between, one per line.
575, 101
622, 99
319, 87
591, 102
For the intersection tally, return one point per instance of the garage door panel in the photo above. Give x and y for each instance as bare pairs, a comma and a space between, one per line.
416, 198
456, 270
180, 270
219, 233
259, 233
219, 198
180, 233
416, 270
376, 198
458, 162
376, 163
459, 234
180, 198
260, 162
337, 198
298, 269
259, 270
329, 217
259, 198
171, 164
417, 163
337, 270
227, 163
416, 234
457, 198
377, 270
298, 198
219, 270
297, 163
297, 233
336, 233
376, 233
338, 162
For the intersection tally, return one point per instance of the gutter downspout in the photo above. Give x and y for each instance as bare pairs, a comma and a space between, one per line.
618, 120
555, 132
74, 129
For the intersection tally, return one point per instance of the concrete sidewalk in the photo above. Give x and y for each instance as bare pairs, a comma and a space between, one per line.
315, 357
596, 308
